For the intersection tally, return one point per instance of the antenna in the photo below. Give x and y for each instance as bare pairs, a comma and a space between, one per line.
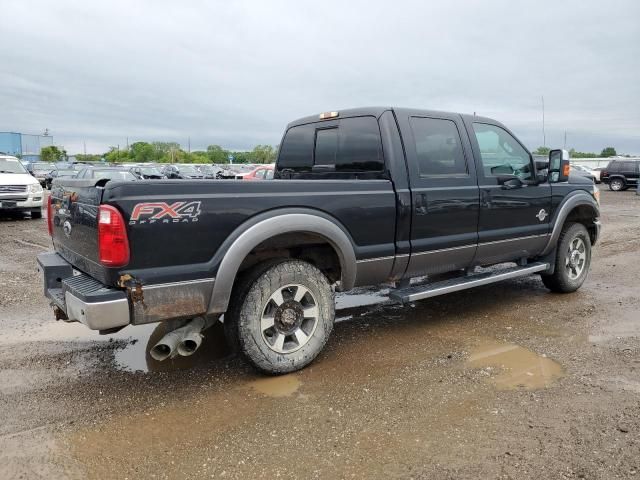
544, 135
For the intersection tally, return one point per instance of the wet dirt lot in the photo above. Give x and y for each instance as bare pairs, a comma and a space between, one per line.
503, 381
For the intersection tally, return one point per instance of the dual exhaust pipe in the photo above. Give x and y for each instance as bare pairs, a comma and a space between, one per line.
184, 341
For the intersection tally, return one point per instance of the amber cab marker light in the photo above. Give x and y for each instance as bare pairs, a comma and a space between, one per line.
326, 115
565, 171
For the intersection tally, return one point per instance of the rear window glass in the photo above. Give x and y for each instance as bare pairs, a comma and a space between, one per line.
438, 147
347, 145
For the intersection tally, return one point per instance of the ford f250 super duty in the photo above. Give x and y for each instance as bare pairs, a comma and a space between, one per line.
360, 197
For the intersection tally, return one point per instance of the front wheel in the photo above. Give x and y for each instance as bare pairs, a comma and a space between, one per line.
572, 260
281, 316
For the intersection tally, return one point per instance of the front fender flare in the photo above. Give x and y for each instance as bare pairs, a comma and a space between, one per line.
572, 201
265, 229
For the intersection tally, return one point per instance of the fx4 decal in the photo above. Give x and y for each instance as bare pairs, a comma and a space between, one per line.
162, 212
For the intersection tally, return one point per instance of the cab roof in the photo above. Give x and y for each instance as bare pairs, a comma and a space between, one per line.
378, 111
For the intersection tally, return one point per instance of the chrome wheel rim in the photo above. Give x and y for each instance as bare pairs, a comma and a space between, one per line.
616, 185
289, 318
576, 258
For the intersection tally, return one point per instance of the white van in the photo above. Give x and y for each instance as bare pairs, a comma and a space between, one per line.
19, 191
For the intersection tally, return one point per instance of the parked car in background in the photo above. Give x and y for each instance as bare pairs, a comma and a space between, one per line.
209, 171
40, 170
183, 171
19, 191
583, 172
108, 173
147, 172
58, 173
226, 172
596, 173
621, 174
263, 172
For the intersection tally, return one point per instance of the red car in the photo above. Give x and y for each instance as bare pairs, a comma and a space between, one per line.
263, 172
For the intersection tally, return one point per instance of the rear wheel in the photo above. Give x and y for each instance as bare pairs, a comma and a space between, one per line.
616, 184
572, 260
281, 316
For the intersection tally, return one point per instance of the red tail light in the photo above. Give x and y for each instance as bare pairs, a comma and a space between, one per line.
50, 214
113, 244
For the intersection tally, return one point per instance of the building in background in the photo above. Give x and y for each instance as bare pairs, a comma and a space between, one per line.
24, 146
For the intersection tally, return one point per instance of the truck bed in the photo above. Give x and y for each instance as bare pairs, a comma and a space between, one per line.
179, 228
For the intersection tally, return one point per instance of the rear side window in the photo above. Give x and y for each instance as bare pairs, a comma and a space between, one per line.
438, 147
612, 167
347, 145
629, 167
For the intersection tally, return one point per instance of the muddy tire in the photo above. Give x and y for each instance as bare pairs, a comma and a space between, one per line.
572, 260
280, 316
617, 184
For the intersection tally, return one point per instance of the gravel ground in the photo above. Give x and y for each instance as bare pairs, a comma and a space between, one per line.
503, 381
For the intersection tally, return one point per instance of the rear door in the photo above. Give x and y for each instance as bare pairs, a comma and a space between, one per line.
514, 218
630, 170
444, 193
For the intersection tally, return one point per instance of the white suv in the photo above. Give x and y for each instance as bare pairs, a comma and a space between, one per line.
19, 191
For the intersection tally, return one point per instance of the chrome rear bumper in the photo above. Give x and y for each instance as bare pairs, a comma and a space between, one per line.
82, 298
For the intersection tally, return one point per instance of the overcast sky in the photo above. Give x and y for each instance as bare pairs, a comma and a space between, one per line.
235, 73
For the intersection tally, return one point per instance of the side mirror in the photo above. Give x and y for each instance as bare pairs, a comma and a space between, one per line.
559, 166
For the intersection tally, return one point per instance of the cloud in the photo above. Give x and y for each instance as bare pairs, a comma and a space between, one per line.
235, 73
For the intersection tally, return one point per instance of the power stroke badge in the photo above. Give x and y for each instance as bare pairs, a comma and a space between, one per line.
162, 212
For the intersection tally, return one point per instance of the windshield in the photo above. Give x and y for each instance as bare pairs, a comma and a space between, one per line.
11, 165
66, 173
43, 167
113, 174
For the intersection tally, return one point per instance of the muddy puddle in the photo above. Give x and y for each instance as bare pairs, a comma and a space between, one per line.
512, 367
282, 386
624, 324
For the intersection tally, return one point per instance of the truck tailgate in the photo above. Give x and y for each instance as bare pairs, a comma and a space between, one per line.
75, 230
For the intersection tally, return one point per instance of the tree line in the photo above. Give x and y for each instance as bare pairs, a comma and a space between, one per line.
167, 152
606, 152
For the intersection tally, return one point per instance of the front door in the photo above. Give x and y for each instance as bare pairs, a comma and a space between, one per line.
444, 193
514, 207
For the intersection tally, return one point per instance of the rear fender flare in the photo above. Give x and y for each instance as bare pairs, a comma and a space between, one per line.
573, 200
257, 232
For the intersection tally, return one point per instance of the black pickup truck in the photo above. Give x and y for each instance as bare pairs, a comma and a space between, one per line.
360, 197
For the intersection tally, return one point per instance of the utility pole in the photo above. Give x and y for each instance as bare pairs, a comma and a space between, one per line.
127, 144
189, 144
84, 143
544, 135
565, 140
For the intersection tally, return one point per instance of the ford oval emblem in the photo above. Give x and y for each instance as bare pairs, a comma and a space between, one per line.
66, 228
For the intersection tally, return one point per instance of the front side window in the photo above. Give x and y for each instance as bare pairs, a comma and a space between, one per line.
438, 147
501, 154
